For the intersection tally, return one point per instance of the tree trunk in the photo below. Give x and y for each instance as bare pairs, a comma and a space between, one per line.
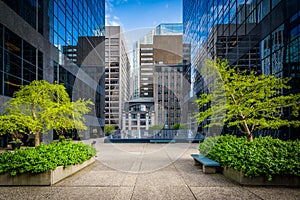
248, 133
37, 134
36, 139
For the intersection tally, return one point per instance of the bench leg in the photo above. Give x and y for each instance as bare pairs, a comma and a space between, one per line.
209, 170
196, 163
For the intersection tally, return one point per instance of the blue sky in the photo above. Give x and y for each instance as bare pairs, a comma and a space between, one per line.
138, 14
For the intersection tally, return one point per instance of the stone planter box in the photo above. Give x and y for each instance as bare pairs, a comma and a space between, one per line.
49, 177
277, 180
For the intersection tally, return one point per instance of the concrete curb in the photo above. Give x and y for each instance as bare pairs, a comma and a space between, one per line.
277, 180
47, 178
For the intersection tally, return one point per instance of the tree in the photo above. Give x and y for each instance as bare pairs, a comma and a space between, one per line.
250, 101
156, 127
15, 125
47, 106
180, 126
109, 129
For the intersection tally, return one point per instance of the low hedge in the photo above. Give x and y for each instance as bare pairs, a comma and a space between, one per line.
264, 156
45, 157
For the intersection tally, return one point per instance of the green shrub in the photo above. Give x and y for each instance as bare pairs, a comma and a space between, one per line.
264, 156
45, 157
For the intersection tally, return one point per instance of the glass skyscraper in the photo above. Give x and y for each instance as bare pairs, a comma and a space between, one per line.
55, 40
261, 35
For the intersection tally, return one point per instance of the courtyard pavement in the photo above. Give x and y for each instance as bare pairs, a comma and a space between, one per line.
146, 171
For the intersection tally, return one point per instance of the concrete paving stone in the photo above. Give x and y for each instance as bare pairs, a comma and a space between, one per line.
98, 166
168, 167
162, 192
207, 180
223, 193
276, 193
160, 178
152, 164
113, 147
88, 193
28, 193
126, 163
186, 165
100, 178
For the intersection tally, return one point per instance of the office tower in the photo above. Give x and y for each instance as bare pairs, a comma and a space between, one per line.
117, 68
50, 40
260, 35
163, 71
143, 59
168, 79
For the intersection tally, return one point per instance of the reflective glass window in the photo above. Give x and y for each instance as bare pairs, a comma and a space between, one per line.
29, 72
11, 84
13, 43
29, 53
12, 64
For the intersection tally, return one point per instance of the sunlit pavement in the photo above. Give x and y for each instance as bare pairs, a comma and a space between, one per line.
146, 171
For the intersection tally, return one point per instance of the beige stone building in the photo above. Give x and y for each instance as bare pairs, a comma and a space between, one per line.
168, 79
117, 73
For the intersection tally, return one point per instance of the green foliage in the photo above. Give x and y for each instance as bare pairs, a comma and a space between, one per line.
156, 127
180, 126
109, 129
42, 106
15, 124
250, 101
264, 156
45, 157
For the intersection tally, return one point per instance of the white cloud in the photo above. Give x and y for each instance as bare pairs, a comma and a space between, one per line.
109, 5
112, 21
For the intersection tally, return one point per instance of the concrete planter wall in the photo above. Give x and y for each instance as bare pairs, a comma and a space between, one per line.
49, 177
277, 180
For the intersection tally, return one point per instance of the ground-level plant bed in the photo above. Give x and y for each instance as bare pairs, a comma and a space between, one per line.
44, 161
48, 177
277, 180
265, 157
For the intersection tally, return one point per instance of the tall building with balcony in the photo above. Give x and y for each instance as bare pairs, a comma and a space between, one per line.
55, 41
117, 76
262, 35
143, 59
164, 71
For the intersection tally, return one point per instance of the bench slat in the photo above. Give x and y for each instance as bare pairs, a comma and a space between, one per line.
205, 161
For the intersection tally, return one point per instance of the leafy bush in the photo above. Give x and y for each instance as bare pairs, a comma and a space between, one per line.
45, 157
179, 126
109, 129
264, 156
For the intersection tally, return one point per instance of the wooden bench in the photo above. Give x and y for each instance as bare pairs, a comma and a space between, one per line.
161, 141
209, 166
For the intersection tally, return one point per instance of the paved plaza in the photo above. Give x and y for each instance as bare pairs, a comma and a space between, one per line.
146, 171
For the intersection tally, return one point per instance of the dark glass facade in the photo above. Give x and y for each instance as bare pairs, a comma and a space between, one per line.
32, 11
21, 62
76, 29
262, 35
68, 20
33, 38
